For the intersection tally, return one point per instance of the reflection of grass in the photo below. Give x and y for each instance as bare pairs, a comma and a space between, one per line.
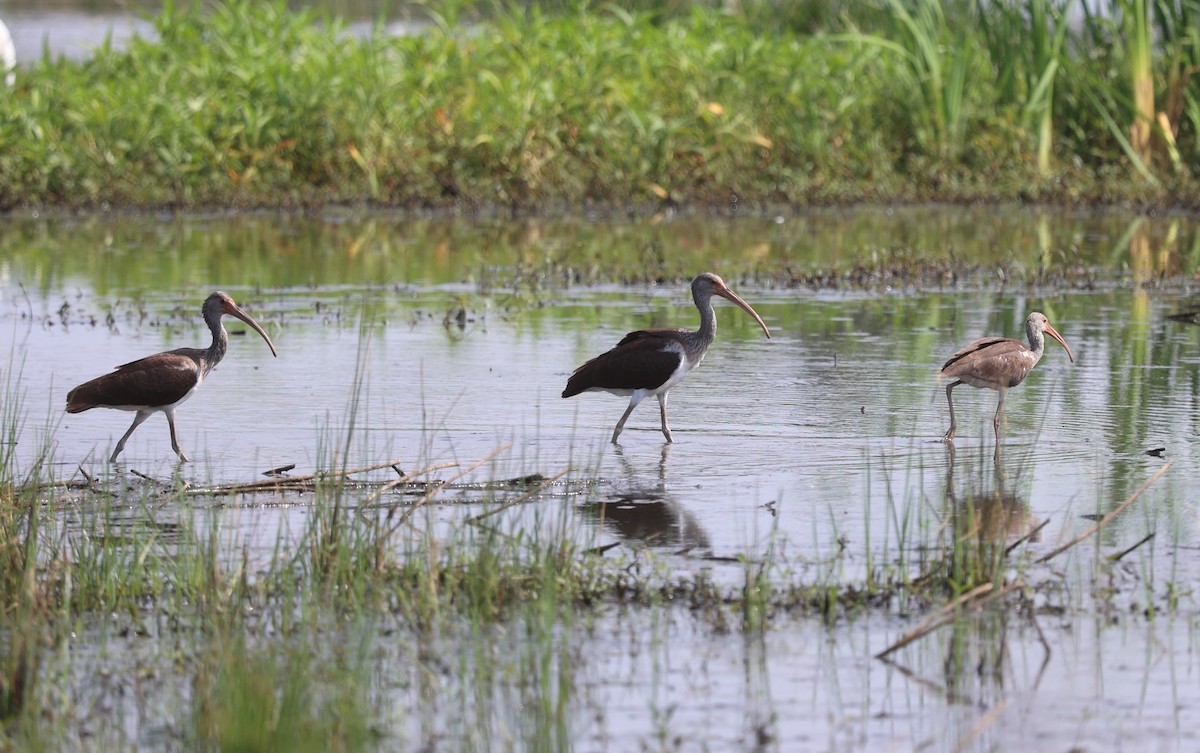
517, 268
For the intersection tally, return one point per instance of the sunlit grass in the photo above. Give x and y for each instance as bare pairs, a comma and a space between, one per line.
253, 104
1026, 41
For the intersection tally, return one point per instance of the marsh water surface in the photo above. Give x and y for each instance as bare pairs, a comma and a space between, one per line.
449, 340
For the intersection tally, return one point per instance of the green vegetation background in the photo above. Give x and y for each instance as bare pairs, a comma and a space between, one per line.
564, 106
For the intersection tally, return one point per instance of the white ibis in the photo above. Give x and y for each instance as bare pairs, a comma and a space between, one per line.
652, 361
162, 381
8, 56
999, 363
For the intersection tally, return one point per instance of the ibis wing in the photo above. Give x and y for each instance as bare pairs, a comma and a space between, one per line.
150, 382
658, 336
168, 356
972, 352
642, 360
994, 360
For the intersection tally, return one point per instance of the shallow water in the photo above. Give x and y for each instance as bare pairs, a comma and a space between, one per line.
823, 439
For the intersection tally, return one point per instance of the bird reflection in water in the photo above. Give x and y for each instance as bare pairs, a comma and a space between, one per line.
989, 513
645, 514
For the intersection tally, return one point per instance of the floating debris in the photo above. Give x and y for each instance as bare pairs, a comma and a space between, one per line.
310, 481
1121, 554
1186, 317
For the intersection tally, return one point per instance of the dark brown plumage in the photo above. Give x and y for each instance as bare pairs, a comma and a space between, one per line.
998, 363
652, 361
162, 381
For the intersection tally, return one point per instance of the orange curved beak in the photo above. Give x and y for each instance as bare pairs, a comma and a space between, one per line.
1054, 333
733, 297
233, 310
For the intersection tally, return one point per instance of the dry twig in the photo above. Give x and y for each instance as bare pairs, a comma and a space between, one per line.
943, 616
1107, 518
298, 482
425, 498
518, 500
987, 721
1119, 555
930, 622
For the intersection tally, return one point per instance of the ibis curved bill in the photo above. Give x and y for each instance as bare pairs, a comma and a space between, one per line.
162, 381
998, 363
652, 361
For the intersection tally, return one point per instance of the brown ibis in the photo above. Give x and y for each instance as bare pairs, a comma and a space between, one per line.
652, 361
999, 363
162, 381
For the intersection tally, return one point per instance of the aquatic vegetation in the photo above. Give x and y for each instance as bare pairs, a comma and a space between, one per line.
281, 696
259, 658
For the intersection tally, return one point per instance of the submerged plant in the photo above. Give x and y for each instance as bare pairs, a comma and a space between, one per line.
296, 695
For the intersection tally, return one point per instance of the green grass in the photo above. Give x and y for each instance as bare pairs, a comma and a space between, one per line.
297, 695
247, 104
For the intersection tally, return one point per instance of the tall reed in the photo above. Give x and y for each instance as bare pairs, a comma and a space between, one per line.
23, 605
1136, 22
1025, 43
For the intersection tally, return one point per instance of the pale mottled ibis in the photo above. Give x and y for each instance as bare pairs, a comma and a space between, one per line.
162, 381
998, 363
652, 361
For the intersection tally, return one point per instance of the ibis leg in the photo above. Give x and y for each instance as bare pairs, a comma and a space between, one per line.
662, 408
174, 441
633, 401
949, 399
141, 416
999, 417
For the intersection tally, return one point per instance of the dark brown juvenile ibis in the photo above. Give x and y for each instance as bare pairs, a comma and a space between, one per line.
999, 363
162, 381
652, 361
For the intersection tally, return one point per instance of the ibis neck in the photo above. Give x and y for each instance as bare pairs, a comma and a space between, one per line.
220, 343
707, 320
703, 337
1037, 340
